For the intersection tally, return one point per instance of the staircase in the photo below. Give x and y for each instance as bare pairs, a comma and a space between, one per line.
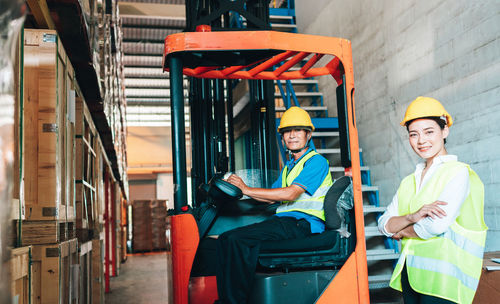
305, 93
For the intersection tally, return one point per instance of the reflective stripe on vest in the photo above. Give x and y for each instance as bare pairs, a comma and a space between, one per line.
310, 204
448, 265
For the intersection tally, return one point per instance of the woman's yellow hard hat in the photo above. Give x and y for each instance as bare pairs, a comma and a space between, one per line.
295, 117
426, 107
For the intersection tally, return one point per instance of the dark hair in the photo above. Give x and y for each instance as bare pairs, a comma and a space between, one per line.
441, 122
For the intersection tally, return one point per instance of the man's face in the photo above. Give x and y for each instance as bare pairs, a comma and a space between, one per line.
296, 139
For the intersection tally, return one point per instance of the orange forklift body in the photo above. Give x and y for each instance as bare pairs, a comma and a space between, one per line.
350, 285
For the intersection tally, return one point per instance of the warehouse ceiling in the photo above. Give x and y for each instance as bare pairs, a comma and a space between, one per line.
145, 24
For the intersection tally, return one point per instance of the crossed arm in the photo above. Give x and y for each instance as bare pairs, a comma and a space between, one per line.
402, 226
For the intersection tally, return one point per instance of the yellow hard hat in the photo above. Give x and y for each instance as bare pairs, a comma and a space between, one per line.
426, 107
295, 117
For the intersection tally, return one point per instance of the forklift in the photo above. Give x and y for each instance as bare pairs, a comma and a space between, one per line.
215, 55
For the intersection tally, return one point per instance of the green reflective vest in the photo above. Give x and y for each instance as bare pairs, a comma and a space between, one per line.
449, 265
310, 204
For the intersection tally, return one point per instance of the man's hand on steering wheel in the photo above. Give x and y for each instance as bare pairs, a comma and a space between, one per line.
238, 182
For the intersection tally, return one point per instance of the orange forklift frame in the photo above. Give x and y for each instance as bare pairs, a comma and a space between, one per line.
350, 284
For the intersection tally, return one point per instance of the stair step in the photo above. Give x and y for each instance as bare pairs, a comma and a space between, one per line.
307, 108
369, 188
302, 94
283, 26
379, 281
372, 231
325, 134
328, 151
275, 17
300, 81
342, 169
381, 254
334, 151
371, 209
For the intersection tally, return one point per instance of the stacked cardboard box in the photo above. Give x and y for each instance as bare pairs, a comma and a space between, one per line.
158, 223
142, 239
149, 225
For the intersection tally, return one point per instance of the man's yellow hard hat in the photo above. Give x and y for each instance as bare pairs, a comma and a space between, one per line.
295, 117
426, 107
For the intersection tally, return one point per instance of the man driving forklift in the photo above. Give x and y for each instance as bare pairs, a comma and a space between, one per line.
301, 189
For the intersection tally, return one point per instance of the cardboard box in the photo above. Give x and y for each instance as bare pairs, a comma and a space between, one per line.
488, 290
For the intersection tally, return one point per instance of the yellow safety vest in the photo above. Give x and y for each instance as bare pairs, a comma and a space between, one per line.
310, 204
449, 265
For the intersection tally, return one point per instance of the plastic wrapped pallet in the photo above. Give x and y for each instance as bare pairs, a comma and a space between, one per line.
141, 226
158, 224
11, 20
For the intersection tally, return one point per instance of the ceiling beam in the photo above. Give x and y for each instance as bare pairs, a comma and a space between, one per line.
152, 10
41, 13
154, 27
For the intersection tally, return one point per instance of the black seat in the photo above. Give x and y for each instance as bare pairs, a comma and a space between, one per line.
328, 249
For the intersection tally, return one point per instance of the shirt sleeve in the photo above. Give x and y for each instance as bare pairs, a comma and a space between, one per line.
392, 210
454, 194
277, 183
313, 174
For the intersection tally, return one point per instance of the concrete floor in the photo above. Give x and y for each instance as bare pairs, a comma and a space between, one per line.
142, 279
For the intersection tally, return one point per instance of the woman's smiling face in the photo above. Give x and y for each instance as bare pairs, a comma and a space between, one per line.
427, 138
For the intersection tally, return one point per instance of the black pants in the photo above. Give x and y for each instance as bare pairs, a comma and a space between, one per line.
238, 251
410, 296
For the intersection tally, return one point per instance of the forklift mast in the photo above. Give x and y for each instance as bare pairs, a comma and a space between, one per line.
211, 102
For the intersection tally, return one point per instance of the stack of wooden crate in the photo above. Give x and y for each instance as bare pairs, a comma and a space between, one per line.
48, 147
47, 154
64, 162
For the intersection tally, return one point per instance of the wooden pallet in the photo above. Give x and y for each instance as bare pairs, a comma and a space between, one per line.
52, 268
45, 232
20, 271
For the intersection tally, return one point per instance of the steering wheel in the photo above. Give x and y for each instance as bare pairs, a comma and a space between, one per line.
221, 191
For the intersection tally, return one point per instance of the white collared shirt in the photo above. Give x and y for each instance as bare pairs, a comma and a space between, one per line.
455, 193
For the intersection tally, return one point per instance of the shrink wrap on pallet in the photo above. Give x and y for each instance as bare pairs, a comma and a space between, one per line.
141, 226
11, 20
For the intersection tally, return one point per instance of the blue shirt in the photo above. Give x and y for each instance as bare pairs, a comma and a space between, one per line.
310, 178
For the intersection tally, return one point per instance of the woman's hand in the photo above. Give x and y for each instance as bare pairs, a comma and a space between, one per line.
433, 210
238, 182
408, 232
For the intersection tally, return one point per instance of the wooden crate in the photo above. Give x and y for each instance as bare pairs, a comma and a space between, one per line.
20, 271
52, 268
85, 288
97, 271
47, 128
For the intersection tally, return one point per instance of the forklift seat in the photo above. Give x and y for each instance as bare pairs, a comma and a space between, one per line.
327, 249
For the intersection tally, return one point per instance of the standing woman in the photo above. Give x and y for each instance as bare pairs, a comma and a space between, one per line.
437, 212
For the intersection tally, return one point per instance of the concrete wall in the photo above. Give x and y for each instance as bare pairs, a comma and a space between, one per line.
449, 50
